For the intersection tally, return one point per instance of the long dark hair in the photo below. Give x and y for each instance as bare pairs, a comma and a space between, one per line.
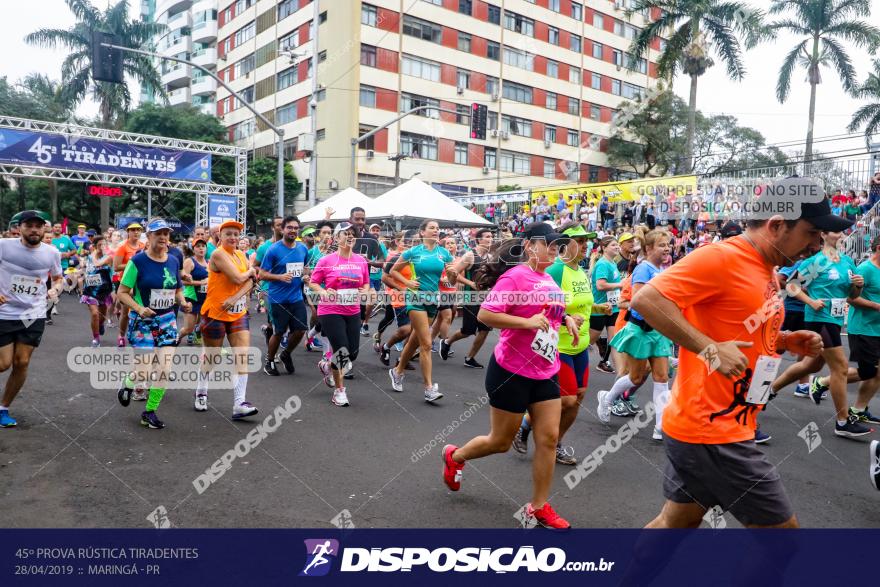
501, 257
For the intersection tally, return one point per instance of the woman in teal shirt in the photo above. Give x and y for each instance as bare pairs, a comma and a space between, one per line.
606, 282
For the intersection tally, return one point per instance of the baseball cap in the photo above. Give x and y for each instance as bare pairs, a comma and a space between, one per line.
578, 231
372, 225
232, 224
342, 227
26, 215
542, 230
731, 229
157, 224
200, 240
91, 232
625, 237
81, 226
819, 215
307, 231
134, 225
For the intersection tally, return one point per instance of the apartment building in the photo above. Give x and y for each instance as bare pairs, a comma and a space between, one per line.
551, 72
191, 35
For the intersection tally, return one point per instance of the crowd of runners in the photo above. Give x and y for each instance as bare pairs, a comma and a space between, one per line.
708, 329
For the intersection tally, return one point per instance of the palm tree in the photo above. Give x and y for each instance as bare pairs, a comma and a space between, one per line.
868, 115
698, 28
76, 70
824, 23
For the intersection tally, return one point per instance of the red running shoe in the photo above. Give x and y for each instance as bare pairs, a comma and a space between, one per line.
451, 469
547, 517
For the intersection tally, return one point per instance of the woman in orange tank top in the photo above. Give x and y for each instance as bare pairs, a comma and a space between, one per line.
224, 316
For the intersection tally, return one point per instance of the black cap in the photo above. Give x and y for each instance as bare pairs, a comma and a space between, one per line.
731, 229
819, 215
543, 231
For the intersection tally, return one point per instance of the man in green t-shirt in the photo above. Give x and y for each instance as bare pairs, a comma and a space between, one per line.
63, 244
277, 235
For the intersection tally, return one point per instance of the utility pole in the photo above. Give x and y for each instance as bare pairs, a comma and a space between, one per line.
397, 159
313, 109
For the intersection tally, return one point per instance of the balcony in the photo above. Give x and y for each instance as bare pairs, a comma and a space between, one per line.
178, 46
177, 77
203, 5
180, 20
165, 6
205, 58
203, 86
179, 97
205, 107
205, 31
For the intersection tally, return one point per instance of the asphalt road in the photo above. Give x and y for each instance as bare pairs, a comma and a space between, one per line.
78, 459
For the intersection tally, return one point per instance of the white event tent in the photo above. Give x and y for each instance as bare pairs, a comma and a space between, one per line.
414, 201
342, 203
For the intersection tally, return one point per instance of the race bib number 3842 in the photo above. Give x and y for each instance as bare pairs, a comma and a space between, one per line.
27, 286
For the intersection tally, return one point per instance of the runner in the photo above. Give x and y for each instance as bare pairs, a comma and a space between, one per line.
123, 254
224, 315
283, 267
522, 376
396, 291
466, 267
322, 247
24, 264
605, 280
98, 287
446, 308
643, 345
831, 281
367, 246
574, 371
794, 314
150, 288
277, 235
427, 261
195, 277
725, 366
341, 278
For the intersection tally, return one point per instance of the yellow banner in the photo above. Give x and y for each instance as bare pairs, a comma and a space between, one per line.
615, 191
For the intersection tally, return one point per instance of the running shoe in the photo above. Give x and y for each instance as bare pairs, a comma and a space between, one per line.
200, 402
547, 517
377, 343
451, 468
243, 410
864, 416
285, 359
396, 380
432, 393
385, 355
49, 321
761, 437
376, 310
365, 330
120, 342
124, 395
6, 421
521, 440
284, 341
409, 366
310, 345
451, 352
348, 376
139, 395
603, 411
657, 434
472, 363
269, 368
266, 329
435, 346
324, 367
95, 343
802, 390
339, 398
151, 420
852, 428
632, 407
444, 349
604, 367
873, 470
565, 455
398, 346
619, 409
817, 390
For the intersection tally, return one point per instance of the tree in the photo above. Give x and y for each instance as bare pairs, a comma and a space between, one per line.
508, 188
869, 114
76, 70
825, 24
701, 28
262, 192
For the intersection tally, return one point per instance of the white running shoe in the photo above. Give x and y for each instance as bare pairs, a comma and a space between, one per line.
396, 380
243, 410
339, 398
432, 394
604, 410
139, 395
435, 346
657, 434
200, 402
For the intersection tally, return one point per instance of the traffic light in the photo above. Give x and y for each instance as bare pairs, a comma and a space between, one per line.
106, 62
479, 117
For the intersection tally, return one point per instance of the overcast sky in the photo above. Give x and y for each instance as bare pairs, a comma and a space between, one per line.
752, 101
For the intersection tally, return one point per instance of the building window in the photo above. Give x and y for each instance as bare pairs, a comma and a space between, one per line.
490, 158
597, 50
519, 24
615, 87
286, 114
574, 106
552, 68
462, 114
618, 27
630, 91
492, 85
494, 14
550, 133
516, 126
493, 50
595, 81
572, 138
554, 5
289, 42
463, 78
574, 75
368, 55
461, 153
244, 130
369, 143
410, 101
246, 33
577, 11
368, 15
288, 77
518, 58
551, 100
553, 35
435, 2
368, 96
492, 120
617, 57
575, 43
245, 66
598, 20
422, 29
320, 134
247, 97
466, 7
429, 70
464, 42
515, 162
595, 112
594, 174
549, 168
418, 146
517, 92
286, 8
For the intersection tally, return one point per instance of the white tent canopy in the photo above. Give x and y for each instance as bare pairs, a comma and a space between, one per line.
415, 201
342, 203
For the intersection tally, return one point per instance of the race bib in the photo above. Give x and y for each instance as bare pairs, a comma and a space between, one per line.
614, 297
762, 378
239, 306
161, 299
28, 286
346, 297
838, 307
295, 269
203, 288
93, 280
375, 270
545, 344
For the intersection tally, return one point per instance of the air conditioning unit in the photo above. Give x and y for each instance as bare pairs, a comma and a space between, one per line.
371, 153
505, 135
547, 143
495, 96
495, 133
485, 171
460, 89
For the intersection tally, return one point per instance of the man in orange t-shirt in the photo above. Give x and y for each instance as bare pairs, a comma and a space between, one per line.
721, 304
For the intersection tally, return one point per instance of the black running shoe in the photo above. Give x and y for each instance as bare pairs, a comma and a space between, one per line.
605, 367
124, 395
151, 420
851, 428
444, 349
269, 368
285, 359
348, 375
472, 363
385, 355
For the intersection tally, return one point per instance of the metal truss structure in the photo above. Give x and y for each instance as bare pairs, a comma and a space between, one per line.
74, 132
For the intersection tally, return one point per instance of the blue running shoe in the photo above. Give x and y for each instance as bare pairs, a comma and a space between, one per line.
6, 421
761, 437
151, 420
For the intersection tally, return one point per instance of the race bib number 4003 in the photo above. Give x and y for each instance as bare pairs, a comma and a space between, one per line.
161, 299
